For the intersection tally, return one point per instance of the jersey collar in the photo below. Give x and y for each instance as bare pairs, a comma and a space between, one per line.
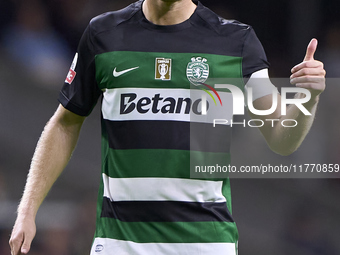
171, 28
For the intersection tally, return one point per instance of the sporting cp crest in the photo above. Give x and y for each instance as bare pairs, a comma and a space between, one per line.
197, 71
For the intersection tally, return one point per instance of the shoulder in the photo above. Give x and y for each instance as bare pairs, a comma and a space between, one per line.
110, 20
221, 25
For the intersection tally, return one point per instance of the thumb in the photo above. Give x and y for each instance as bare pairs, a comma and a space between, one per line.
311, 50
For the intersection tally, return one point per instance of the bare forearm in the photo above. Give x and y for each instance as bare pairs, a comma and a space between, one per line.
286, 140
53, 151
309, 75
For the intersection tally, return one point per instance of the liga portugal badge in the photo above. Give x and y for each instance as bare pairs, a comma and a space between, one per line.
71, 74
163, 69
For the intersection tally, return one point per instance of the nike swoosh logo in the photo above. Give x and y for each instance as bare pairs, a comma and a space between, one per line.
117, 74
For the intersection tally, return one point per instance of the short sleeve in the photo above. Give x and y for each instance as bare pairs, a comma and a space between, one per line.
80, 92
253, 55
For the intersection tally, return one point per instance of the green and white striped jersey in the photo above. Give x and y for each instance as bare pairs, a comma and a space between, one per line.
150, 78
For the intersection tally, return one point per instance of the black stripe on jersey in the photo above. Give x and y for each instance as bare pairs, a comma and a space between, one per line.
140, 134
165, 211
213, 34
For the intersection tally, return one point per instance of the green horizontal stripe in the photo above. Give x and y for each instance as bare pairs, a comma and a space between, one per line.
144, 75
168, 232
159, 163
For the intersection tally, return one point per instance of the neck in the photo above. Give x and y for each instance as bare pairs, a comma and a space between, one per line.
168, 12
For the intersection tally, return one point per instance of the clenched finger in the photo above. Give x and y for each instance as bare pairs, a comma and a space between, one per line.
307, 64
15, 243
316, 87
309, 72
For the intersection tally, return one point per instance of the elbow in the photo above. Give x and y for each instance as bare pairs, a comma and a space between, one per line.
283, 147
283, 150
283, 143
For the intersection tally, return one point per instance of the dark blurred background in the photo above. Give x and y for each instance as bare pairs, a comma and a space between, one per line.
38, 39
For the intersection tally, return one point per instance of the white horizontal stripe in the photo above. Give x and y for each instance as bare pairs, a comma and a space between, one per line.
145, 99
162, 189
106, 246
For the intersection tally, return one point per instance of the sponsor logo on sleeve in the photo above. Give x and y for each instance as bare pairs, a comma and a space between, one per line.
72, 74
